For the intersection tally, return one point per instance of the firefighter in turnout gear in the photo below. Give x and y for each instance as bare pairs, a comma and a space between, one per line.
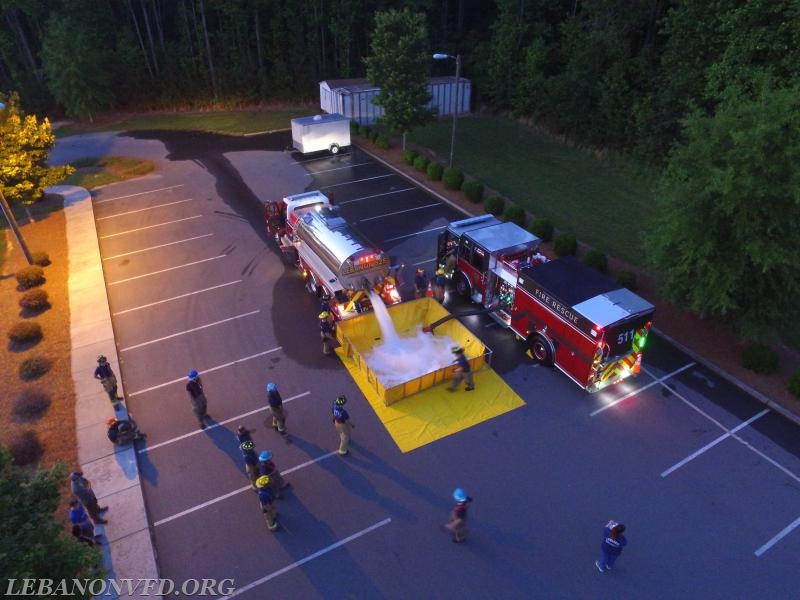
105, 374
439, 281
267, 500
420, 283
267, 467
248, 449
326, 332
341, 420
276, 408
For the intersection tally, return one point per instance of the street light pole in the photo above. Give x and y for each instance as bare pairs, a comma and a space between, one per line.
457, 58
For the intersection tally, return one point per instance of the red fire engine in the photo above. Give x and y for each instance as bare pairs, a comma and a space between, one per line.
570, 316
338, 263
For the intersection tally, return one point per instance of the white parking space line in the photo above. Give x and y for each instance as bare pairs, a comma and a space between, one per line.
745, 443
783, 533
337, 168
327, 187
220, 424
164, 189
400, 212
308, 558
375, 196
710, 445
191, 239
641, 389
217, 368
189, 511
195, 262
143, 306
423, 262
138, 210
192, 330
408, 235
111, 235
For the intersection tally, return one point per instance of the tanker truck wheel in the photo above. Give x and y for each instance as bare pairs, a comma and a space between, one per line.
541, 349
334, 148
462, 286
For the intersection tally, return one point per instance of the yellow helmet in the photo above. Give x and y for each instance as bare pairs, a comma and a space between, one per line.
324, 315
262, 481
440, 271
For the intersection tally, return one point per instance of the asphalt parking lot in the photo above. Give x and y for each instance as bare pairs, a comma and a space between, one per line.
705, 477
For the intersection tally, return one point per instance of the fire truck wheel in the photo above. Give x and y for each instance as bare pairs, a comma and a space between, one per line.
541, 349
334, 148
462, 285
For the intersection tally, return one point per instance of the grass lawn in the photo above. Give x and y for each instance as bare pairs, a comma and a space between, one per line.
233, 122
603, 202
93, 172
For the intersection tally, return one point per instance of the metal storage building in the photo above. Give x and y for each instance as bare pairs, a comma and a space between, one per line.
353, 97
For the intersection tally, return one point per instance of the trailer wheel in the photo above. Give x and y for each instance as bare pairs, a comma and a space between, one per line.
334, 148
463, 288
541, 349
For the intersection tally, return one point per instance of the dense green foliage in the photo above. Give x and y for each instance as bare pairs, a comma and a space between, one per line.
32, 542
627, 279
542, 228
409, 156
453, 178
435, 171
399, 65
565, 245
473, 190
494, 205
760, 358
515, 214
727, 240
421, 163
25, 145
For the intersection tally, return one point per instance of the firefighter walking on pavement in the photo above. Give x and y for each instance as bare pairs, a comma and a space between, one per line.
248, 449
105, 374
267, 501
341, 420
463, 371
267, 467
326, 332
198, 398
276, 408
457, 526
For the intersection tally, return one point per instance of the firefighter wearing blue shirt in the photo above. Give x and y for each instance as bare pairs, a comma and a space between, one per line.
248, 449
341, 420
611, 548
276, 408
266, 499
463, 371
267, 467
106, 376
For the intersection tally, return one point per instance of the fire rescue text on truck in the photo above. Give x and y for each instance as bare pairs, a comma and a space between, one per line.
570, 316
338, 263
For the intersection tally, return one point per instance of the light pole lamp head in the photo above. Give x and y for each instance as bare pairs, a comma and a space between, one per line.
439, 56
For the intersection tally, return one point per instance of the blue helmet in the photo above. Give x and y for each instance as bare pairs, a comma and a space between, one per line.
265, 455
193, 375
459, 495
271, 387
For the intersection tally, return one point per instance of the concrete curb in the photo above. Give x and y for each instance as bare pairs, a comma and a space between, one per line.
695, 357
767, 401
113, 471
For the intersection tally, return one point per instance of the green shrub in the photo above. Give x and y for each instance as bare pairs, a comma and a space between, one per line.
494, 205
435, 171
627, 279
515, 214
409, 155
34, 300
421, 163
24, 332
794, 384
354, 125
30, 276
382, 142
597, 260
473, 190
364, 130
40, 258
565, 245
543, 229
760, 358
30, 405
374, 135
34, 367
25, 448
452, 178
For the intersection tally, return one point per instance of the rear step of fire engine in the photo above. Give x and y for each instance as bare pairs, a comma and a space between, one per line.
471, 313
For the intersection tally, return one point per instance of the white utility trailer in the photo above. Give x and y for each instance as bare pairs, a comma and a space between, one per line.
321, 132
